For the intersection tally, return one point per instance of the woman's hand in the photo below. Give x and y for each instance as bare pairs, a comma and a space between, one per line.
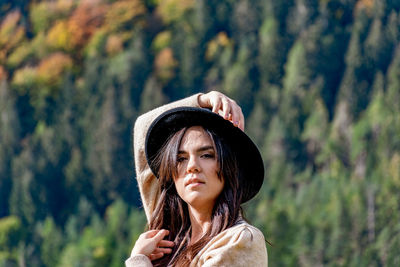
152, 245
224, 106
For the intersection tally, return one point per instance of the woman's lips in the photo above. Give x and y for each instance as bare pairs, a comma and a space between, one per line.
194, 185
194, 182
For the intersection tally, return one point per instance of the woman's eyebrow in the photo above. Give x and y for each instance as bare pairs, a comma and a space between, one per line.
204, 148
201, 149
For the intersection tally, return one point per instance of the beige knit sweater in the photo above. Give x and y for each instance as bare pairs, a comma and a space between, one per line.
241, 245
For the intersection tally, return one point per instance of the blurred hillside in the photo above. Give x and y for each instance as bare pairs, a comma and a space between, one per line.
318, 80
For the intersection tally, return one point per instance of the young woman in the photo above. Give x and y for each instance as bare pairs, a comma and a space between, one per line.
194, 169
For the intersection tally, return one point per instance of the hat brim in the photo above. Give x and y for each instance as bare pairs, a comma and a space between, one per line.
249, 159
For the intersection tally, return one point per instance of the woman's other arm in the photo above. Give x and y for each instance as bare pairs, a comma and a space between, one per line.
237, 246
149, 246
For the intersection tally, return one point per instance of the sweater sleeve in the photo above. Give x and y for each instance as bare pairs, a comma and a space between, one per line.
138, 261
243, 246
145, 178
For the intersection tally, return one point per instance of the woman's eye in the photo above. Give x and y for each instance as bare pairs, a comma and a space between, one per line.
180, 159
207, 155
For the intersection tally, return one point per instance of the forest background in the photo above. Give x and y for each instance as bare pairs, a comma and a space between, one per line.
318, 81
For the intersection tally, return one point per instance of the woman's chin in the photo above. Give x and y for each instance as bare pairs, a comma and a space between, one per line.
194, 199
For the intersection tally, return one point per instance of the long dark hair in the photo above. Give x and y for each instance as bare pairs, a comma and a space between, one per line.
171, 211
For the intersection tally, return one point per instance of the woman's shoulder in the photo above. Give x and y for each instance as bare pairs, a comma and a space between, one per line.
244, 230
242, 236
239, 245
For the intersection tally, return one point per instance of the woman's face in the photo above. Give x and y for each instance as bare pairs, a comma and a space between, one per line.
197, 182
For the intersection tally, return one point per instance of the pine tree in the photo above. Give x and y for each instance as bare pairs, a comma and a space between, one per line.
238, 83
377, 49
152, 95
51, 241
9, 143
22, 202
271, 57
105, 142
355, 85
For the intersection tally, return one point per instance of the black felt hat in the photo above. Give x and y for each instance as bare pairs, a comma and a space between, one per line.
249, 159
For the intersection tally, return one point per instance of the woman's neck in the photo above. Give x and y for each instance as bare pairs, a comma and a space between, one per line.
200, 221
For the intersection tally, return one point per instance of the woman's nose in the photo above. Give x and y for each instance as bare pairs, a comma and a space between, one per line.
192, 165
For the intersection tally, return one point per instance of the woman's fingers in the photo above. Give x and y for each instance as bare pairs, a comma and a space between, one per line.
162, 250
159, 252
224, 106
160, 235
237, 116
215, 104
151, 241
151, 233
156, 256
241, 124
165, 243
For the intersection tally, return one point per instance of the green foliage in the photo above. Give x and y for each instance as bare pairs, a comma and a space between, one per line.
101, 242
51, 241
20, 55
21, 201
10, 231
10, 130
271, 52
318, 82
44, 14
161, 41
173, 10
